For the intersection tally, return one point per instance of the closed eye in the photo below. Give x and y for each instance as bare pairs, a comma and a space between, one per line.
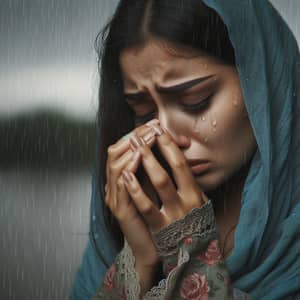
190, 108
196, 106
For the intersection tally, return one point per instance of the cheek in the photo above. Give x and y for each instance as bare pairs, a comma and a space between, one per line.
227, 120
234, 140
198, 126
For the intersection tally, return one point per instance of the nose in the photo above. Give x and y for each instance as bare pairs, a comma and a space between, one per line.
175, 130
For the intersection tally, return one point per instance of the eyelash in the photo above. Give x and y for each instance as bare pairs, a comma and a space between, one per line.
194, 108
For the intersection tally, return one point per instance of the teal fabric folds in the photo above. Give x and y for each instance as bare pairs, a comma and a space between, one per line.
265, 261
100, 247
266, 256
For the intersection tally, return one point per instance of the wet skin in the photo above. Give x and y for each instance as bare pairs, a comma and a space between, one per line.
161, 80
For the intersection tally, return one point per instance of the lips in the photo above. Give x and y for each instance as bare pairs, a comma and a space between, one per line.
193, 162
198, 165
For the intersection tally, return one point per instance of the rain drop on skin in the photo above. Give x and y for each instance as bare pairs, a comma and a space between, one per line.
235, 103
195, 124
236, 98
214, 125
195, 127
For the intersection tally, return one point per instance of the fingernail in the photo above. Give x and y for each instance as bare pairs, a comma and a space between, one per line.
164, 129
135, 155
136, 141
157, 129
126, 176
147, 137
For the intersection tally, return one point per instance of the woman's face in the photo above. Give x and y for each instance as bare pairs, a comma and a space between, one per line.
198, 99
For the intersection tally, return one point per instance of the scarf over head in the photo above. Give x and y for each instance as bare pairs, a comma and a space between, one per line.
265, 261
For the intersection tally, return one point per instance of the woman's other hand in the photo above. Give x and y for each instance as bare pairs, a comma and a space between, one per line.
176, 203
121, 156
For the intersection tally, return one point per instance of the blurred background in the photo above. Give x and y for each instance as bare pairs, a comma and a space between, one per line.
48, 104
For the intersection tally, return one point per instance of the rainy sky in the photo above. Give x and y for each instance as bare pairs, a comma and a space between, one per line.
47, 56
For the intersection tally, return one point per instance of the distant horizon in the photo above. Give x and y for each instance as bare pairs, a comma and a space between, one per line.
48, 57
47, 110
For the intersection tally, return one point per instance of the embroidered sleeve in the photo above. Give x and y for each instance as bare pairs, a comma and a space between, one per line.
192, 261
121, 281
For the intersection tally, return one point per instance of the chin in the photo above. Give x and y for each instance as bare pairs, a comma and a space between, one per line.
214, 179
209, 182
212, 182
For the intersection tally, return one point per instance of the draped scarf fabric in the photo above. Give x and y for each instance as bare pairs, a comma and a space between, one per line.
265, 261
266, 256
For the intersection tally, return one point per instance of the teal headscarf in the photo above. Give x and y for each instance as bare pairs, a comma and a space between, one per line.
265, 261
266, 256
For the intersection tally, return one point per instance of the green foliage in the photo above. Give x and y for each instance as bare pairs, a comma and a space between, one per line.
46, 139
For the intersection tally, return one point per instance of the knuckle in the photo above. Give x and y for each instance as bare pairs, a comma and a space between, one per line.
162, 181
136, 191
146, 209
111, 150
113, 168
144, 151
179, 164
138, 130
120, 183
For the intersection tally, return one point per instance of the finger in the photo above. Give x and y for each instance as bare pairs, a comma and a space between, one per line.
117, 159
178, 163
131, 160
123, 206
159, 178
144, 205
116, 151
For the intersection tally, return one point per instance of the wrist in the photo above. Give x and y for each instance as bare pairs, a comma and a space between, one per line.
147, 274
141, 264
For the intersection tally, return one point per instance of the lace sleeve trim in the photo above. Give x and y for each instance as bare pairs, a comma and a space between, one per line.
167, 286
198, 221
126, 263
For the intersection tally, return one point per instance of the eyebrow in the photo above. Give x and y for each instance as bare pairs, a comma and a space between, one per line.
170, 89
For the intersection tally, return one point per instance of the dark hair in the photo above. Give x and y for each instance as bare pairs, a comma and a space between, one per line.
181, 22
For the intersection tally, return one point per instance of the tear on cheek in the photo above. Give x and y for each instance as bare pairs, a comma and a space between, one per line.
198, 121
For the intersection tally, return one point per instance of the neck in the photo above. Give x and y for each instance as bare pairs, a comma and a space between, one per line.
229, 194
227, 205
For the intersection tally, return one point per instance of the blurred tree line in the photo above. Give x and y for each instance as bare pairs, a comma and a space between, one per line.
46, 139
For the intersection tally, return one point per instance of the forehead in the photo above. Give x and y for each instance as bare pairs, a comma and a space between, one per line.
163, 61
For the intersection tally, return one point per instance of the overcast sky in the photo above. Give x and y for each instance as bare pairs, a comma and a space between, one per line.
47, 56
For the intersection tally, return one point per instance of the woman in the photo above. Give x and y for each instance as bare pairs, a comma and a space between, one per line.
227, 93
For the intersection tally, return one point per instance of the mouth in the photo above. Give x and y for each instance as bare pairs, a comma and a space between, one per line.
198, 165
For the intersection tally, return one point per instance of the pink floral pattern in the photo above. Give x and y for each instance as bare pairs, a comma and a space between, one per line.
124, 293
194, 287
188, 241
169, 268
109, 277
212, 254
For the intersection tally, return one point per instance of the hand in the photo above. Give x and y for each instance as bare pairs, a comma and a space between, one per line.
120, 203
175, 203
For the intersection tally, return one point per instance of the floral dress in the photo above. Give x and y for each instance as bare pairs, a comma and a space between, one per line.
192, 264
